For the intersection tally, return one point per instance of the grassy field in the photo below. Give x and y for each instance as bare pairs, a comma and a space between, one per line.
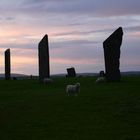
107, 111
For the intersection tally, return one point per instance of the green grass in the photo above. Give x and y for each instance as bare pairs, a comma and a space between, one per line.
107, 111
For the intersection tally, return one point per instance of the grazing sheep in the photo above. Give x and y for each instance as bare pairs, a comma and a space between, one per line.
73, 89
47, 81
100, 80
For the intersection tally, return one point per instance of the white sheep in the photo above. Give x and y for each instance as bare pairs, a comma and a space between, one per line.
100, 80
73, 89
47, 80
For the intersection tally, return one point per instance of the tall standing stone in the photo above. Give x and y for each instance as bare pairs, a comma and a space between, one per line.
112, 55
7, 65
44, 66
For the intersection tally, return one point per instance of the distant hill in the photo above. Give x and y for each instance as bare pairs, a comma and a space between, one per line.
96, 74
78, 74
23, 76
14, 75
131, 73
19, 76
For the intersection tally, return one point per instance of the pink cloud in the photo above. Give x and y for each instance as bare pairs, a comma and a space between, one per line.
74, 61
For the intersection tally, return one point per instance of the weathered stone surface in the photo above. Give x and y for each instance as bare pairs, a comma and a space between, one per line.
71, 72
112, 55
7, 65
44, 66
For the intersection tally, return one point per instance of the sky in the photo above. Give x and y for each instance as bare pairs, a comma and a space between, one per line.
76, 30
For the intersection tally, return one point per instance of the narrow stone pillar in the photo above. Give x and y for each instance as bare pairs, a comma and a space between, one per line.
112, 55
7, 65
44, 66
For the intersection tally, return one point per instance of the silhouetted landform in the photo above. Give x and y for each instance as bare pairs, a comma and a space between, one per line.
131, 73
7, 65
44, 66
71, 72
77, 75
23, 76
127, 73
112, 55
17, 76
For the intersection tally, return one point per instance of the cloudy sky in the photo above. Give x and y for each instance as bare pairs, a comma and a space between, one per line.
76, 30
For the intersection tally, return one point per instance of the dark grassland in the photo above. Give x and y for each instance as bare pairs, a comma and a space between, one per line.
107, 111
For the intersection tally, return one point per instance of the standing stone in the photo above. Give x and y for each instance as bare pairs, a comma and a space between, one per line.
44, 66
71, 72
112, 55
7, 65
